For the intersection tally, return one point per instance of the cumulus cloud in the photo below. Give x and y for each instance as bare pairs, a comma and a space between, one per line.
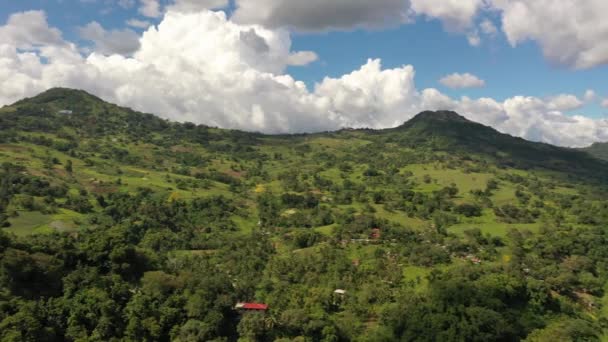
150, 8
605, 103
370, 97
122, 42
570, 32
573, 33
473, 38
564, 102
320, 15
30, 29
301, 58
196, 5
460, 81
589, 95
456, 15
138, 23
533, 119
488, 28
204, 68
126, 4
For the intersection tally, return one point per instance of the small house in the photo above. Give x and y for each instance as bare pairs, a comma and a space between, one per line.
251, 306
340, 292
376, 233
473, 259
65, 112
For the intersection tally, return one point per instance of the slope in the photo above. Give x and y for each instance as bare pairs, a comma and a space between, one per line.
598, 150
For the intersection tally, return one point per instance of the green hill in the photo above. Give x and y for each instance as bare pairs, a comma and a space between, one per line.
598, 150
451, 132
119, 225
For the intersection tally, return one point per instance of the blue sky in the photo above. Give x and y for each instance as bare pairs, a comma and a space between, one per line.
430, 41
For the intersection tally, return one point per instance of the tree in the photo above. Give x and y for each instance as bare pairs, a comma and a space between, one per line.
30, 275
252, 326
468, 210
566, 330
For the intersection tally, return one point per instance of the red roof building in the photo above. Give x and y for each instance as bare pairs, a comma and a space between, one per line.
376, 232
251, 306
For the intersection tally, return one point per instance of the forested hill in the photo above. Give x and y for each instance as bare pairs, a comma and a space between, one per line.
438, 131
598, 150
449, 131
119, 225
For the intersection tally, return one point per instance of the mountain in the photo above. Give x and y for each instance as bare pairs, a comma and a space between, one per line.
449, 131
120, 225
441, 131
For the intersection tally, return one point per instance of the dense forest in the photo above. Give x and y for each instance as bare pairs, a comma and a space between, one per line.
118, 225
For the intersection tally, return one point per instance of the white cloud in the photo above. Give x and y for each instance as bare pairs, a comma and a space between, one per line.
473, 38
321, 15
122, 42
488, 28
204, 68
605, 103
150, 8
126, 4
570, 32
139, 23
196, 5
456, 15
27, 30
369, 97
301, 58
589, 95
460, 81
564, 102
531, 118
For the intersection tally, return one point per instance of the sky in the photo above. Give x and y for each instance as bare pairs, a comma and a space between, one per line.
531, 68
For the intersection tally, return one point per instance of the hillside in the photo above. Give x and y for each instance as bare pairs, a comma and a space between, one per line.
598, 150
124, 225
452, 132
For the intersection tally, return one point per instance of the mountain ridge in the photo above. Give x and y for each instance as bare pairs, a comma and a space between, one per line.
59, 95
439, 130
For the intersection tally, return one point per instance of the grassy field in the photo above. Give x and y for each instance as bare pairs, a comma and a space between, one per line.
417, 275
326, 230
442, 177
29, 222
494, 228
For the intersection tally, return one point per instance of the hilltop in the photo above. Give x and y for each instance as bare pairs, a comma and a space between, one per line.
123, 225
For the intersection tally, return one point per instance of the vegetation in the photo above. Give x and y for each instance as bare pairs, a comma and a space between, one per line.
598, 150
118, 225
